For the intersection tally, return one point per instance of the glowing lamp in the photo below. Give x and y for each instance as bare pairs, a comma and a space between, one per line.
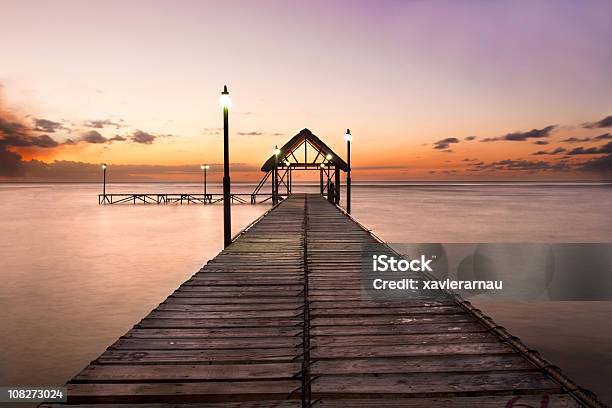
347, 136
225, 99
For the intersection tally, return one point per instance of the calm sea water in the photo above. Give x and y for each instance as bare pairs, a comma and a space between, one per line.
75, 275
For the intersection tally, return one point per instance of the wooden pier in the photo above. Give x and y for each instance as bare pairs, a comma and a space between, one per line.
278, 319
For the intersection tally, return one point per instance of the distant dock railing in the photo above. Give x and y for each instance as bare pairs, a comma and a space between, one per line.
181, 198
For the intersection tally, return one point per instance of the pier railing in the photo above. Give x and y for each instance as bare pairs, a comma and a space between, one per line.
181, 198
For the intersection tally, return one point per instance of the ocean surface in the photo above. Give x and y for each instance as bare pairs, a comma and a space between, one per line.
75, 275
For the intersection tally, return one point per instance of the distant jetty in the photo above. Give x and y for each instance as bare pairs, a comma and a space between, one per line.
303, 152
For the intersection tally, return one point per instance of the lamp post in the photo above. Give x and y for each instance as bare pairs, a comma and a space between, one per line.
226, 102
104, 182
205, 167
348, 137
321, 178
288, 164
275, 176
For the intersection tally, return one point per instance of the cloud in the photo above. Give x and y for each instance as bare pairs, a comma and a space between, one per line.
605, 149
604, 123
470, 138
605, 136
17, 140
253, 133
99, 124
382, 167
522, 136
13, 165
15, 133
212, 131
142, 137
576, 139
445, 143
93, 137
541, 142
46, 125
10, 163
601, 165
521, 165
10, 126
551, 152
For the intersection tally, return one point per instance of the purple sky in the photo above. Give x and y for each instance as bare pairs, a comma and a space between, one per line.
406, 73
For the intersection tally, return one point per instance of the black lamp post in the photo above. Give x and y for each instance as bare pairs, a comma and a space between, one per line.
226, 102
205, 167
348, 137
104, 182
288, 173
275, 176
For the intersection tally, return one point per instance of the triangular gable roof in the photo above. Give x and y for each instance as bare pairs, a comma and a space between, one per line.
296, 141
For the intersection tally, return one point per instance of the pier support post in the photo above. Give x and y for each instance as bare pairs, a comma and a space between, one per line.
321, 181
104, 200
348, 137
337, 181
289, 186
227, 212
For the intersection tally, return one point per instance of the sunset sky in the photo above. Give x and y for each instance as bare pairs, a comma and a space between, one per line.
431, 90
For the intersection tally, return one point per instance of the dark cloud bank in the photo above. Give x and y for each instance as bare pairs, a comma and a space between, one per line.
12, 165
16, 133
444, 144
604, 123
522, 136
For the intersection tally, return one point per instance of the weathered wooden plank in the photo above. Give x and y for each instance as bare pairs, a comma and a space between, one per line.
219, 323
432, 383
544, 400
198, 356
232, 314
244, 307
206, 344
465, 327
185, 372
242, 404
214, 333
182, 392
231, 300
404, 339
391, 320
396, 311
421, 364
409, 350
333, 303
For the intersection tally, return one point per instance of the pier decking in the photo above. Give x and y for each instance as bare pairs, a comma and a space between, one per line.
277, 319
